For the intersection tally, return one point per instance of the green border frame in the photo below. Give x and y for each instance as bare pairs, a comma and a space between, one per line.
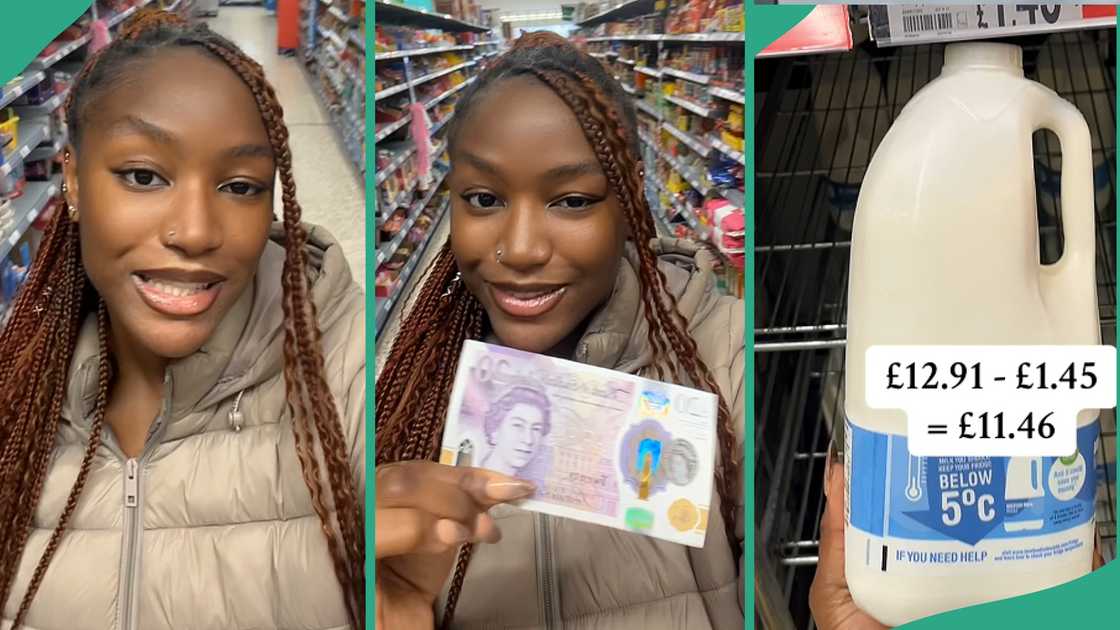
1084, 600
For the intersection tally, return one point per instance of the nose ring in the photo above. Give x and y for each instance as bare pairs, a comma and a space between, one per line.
499, 256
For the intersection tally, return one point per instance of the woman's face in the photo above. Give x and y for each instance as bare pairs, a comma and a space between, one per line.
526, 182
172, 182
520, 434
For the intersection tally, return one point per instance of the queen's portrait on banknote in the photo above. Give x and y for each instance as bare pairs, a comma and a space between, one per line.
516, 426
559, 415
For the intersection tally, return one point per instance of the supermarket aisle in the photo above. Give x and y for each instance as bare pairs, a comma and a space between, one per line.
329, 187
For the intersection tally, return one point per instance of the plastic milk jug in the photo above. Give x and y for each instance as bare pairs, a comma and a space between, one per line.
945, 251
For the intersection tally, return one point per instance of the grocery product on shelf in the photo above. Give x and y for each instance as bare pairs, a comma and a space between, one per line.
683, 65
423, 64
920, 249
333, 50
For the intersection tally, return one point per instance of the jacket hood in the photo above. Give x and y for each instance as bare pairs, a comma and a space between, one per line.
618, 336
246, 348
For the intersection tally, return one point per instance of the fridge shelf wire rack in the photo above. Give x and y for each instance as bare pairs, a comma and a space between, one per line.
819, 119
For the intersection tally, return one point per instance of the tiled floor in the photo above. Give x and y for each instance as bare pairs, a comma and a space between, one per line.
328, 186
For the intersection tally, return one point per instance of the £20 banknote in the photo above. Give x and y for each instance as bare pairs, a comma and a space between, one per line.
601, 446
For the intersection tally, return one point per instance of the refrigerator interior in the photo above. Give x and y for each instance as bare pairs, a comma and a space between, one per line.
818, 120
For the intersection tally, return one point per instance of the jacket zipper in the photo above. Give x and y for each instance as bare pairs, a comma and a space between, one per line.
130, 544
132, 533
546, 574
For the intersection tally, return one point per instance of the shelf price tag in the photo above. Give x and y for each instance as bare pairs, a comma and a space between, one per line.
901, 24
991, 400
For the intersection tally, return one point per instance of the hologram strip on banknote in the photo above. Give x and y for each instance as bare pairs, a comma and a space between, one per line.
601, 446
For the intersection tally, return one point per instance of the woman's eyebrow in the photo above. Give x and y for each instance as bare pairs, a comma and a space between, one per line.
568, 171
132, 124
249, 150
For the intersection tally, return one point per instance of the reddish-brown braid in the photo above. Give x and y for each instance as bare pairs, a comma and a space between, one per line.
414, 386
37, 345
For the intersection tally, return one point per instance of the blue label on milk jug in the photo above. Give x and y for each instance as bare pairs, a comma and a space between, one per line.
923, 512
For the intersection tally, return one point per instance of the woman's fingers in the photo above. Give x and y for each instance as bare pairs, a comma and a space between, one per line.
417, 487
402, 531
405, 484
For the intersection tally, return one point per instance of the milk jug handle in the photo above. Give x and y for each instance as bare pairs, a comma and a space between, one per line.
1078, 204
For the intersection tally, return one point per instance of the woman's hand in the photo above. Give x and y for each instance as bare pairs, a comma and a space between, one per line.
425, 513
829, 598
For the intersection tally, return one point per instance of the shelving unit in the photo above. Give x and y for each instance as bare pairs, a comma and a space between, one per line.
645, 64
333, 51
807, 182
430, 76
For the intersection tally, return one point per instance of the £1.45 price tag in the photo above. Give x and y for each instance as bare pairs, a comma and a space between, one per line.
916, 23
991, 400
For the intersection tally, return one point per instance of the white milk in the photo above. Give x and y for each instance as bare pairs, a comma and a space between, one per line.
945, 251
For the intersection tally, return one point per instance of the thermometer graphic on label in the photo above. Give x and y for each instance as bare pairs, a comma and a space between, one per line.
913, 482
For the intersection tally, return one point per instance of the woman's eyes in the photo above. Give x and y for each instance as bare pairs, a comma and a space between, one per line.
242, 188
142, 178
146, 179
487, 201
574, 202
482, 201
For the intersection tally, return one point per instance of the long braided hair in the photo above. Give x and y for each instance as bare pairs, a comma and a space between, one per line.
37, 345
414, 387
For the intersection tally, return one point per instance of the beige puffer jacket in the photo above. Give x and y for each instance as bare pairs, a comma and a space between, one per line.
556, 573
217, 531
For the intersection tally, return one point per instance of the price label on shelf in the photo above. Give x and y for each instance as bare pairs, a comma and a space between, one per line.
900, 24
991, 400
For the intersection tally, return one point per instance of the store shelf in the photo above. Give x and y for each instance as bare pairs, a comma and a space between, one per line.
647, 108
63, 51
648, 71
387, 92
398, 54
127, 13
629, 62
49, 151
355, 38
688, 139
391, 128
624, 11
385, 305
702, 79
27, 208
46, 108
629, 89
435, 101
706, 112
727, 95
598, 55
30, 136
10, 92
335, 11
684, 173
408, 16
333, 37
387, 249
710, 38
397, 89
686, 213
719, 145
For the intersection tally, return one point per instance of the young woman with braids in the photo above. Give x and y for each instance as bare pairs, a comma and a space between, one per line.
181, 382
552, 250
